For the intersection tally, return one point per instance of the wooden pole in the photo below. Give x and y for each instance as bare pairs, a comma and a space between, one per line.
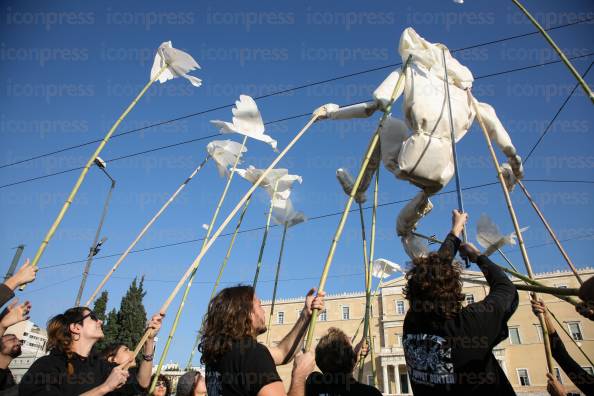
552, 43
514, 219
345, 213
369, 277
218, 232
551, 232
180, 308
144, 231
278, 265
264, 238
220, 275
85, 170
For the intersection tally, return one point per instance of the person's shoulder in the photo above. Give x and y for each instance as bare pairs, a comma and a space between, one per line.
365, 390
50, 360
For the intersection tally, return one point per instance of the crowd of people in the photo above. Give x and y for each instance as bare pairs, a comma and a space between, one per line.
448, 347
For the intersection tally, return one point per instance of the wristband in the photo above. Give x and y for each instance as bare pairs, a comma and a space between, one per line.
147, 358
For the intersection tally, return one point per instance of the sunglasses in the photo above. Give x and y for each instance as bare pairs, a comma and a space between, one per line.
91, 315
161, 383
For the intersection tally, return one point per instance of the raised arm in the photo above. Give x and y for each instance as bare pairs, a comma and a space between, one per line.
143, 375
290, 344
451, 243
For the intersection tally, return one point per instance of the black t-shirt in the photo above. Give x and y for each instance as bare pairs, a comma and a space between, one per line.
454, 356
245, 369
47, 376
6, 379
319, 384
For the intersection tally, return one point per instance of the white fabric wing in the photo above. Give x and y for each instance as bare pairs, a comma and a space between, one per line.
247, 121
278, 177
179, 64
224, 153
415, 246
383, 268
489, 236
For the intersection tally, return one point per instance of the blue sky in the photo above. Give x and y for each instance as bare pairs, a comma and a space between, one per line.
68, 70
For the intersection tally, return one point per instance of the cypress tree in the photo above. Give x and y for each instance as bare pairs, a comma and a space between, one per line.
100, 306
111, 330
131, 317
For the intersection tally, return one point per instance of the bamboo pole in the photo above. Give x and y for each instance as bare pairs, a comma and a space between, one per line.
218, 232
278, 265
264, 238
514, 219
552, 43
144, 231
220, 275
85, 170
180, 308
551, 232
369, 277
556, 291
345, 213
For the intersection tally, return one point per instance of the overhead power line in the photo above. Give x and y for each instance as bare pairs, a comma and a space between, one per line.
268, 123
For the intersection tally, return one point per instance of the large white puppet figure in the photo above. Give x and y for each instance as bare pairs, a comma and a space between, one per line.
419, 149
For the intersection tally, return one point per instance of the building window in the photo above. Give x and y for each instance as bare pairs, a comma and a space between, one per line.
470, 299
398, 340
280, 317
345, 313
514, 336
370, 380
558, 375
523, 377
575, 330
539, 332
323, 316
400, 307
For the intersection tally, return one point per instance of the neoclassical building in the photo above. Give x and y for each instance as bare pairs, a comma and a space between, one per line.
521, 355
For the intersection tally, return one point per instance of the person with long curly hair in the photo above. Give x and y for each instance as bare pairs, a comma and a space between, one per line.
236, 364
162, 387
71, 368
449, 348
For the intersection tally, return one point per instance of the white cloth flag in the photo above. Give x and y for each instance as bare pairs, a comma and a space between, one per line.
179, 63
383, 268
224, 153
489, 236
247, 121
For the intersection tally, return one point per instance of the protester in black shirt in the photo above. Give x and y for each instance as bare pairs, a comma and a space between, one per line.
448, 348
236, 364
71, 368
337, 359
577, 375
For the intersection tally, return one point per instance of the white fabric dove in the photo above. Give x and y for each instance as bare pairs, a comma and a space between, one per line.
278, 177
489, 236
224, 153
383, 268
179, 63
415, 246
247, 121
284, 212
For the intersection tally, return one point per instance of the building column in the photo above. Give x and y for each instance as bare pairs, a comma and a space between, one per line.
397, 376
385, 378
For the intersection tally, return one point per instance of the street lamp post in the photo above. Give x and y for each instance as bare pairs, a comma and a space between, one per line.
96, 246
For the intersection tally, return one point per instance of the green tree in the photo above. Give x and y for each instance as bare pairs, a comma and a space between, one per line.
111, 330
132, 315
101, 306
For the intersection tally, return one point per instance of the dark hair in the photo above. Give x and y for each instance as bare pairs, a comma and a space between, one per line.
167, 383
335, 354
228, 319
59, 337
111, 350
434, 285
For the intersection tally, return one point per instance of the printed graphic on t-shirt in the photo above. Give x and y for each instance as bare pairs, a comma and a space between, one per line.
214, 384
429, 359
